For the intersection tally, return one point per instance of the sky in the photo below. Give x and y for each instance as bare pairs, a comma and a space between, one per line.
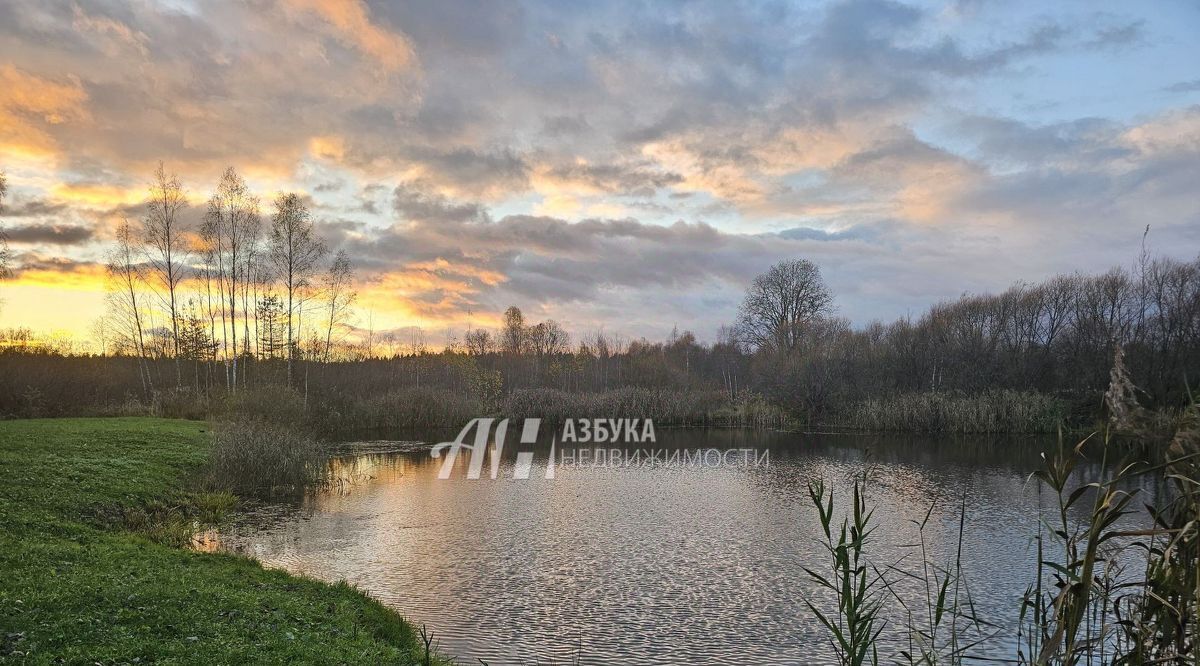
617, 166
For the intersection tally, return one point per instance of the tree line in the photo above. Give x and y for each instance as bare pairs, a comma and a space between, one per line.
235, 303
1056, 337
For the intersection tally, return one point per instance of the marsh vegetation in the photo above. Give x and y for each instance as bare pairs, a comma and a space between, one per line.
1102, 592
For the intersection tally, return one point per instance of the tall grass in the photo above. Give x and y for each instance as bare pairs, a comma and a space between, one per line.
1065, 610
668, 407
254, 456
943, 627
1084, 607
935, 411
939, 624
1086, 602
857, 588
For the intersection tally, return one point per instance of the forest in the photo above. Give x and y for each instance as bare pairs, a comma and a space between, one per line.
251, 301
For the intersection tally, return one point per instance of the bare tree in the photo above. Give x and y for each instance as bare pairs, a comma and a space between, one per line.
230, 228
126, 277
166, 248
782, 304
5, 253
254, 277
547, 338
337, 284
295, 252
514, 335
209, 273
479, 342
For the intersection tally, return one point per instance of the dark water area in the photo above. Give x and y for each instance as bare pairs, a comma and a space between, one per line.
657, 561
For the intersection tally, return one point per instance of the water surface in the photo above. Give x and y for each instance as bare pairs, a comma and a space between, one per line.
653, 563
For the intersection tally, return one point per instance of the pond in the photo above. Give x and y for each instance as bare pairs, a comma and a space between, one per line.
656, 562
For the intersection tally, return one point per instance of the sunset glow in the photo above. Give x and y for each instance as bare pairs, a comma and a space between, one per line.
620, 158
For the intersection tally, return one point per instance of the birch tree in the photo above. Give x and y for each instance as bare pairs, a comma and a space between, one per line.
294, 252
166, 248
126, 278
337, 285
5, 253
230, 227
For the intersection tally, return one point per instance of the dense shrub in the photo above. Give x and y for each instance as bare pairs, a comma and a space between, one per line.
398, 408
277, 404
672, 407
259, 457
182, 403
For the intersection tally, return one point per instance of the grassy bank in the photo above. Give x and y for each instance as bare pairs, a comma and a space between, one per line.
89, 512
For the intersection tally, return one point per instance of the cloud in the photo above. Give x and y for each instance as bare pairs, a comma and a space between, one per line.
622, 160
809, 233
421, 202
351, 23
1184, 86
1119, 36
31, 107
97, 195
34, 208
453, 256
49, 234
57, 272
632, 180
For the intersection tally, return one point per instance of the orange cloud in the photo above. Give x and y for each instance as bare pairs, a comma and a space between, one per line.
441, 266
327, 147
61, 275
425, 293
97, 196
30, 106
352, 26
727, 180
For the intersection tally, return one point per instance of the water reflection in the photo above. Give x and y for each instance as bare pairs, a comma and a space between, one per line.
649, 563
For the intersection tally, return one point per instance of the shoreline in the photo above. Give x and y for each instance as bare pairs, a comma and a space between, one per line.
90, 528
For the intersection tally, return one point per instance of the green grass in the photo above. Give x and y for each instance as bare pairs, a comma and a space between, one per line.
89, 510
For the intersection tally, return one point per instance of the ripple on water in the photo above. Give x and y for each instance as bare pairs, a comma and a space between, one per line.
644, 565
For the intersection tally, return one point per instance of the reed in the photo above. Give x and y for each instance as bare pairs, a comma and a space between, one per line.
1101, 592
935, 411
1084, 607
944, 627
1065, 611
855, 624
254, 456
939, 623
